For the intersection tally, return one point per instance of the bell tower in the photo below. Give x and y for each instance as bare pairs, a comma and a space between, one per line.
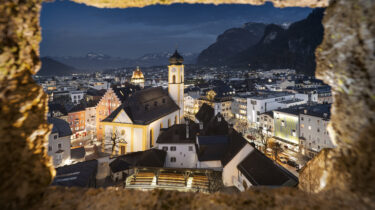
176, 82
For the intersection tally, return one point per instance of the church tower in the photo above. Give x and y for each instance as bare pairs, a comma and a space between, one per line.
176, 81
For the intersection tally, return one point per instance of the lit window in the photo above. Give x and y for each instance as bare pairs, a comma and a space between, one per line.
302, 125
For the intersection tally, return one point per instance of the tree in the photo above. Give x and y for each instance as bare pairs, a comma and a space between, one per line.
113, 141
276, 148
263, 138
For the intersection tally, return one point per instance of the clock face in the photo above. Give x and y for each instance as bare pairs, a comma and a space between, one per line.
173, 69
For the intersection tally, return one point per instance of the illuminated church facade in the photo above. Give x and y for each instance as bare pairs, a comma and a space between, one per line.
136, 123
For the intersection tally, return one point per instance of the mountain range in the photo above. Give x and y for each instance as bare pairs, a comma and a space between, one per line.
258, 45
51, 67
99, 61
277, 46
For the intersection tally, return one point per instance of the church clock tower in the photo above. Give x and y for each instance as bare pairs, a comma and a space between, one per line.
176, 81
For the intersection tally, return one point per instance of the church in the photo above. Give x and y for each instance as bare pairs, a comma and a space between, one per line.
137, 122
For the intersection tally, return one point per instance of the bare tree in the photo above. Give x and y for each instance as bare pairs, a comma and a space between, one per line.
276, 148
263, 138
113, 141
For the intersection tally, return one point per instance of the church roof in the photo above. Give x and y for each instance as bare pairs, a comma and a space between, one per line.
124, 92
146, 106
176, 59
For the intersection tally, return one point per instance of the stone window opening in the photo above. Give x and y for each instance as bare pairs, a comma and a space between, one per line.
336, 65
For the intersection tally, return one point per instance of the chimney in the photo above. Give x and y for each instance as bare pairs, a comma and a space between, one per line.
187, 129
200, 125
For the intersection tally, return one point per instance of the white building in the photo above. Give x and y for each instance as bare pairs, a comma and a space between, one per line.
179, 143
99, 85
191, 106
262, 102
76, 96
59, 141
314, 135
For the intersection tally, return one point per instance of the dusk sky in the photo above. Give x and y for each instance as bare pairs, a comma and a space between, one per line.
71, 29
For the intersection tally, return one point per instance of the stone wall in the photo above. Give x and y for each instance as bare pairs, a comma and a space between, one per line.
346, 61
340, 178
25, 169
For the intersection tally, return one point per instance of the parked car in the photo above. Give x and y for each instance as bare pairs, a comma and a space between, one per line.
283, 159
292, 163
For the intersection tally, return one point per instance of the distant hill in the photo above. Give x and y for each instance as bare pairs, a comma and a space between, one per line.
98, 61
230, 43
278, 46
51, 67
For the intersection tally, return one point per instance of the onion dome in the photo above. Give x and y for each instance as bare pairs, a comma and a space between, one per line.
176, 59
137, 74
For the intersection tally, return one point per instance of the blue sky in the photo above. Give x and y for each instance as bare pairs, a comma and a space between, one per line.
71, 29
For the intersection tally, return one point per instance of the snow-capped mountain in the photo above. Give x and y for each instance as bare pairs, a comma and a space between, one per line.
94, 61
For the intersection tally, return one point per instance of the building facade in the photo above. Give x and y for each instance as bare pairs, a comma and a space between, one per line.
286, 128
59, 141
314, 135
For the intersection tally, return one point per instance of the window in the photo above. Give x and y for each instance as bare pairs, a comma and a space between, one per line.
155, 103
49, 148
190, 148
174, 79
309, 127
302, 125
59, 146
55, 137
173, 148
165, 148
301, 118
163, 100
173, 159
318, 130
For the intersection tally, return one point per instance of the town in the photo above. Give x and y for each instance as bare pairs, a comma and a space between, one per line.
206, 129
